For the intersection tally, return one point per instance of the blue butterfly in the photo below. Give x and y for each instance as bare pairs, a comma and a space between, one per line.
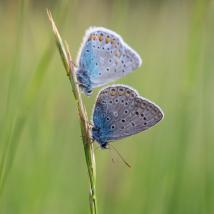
103, 58
120, 112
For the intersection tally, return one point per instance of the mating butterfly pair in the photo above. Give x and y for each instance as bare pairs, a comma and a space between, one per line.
119, 111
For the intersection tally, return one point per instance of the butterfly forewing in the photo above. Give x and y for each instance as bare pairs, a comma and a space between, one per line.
124, 113
106, 57
143, 115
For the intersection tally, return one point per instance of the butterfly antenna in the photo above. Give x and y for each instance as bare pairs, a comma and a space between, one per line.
121, 157
113, 161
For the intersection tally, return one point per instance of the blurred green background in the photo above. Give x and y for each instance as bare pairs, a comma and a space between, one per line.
42, 165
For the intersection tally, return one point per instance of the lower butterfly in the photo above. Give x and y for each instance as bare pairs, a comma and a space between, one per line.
120, 112
104, 57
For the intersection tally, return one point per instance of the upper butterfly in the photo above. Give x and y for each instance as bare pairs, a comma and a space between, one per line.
103, 58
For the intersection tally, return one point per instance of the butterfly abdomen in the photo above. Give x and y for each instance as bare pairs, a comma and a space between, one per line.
84, 81
99, 136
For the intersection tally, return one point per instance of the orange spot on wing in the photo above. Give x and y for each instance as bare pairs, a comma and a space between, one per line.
100, 38
107, 40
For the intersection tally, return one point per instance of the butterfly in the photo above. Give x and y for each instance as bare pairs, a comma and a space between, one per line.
120, 112
103, 58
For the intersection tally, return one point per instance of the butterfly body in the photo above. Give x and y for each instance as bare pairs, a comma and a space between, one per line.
104, 57
120, 112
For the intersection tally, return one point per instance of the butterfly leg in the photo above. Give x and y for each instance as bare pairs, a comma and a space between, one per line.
90, 124
91, 139
72, 64
79, 84
82, 86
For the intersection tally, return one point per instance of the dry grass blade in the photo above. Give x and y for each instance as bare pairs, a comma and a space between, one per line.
84, 123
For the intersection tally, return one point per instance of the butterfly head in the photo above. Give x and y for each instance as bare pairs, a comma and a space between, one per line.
103, 145
84, 81
87, 92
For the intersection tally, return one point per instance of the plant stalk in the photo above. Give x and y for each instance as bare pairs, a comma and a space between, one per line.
84, 122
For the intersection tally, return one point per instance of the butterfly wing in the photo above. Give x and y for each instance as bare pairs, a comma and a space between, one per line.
105, 57
119, 112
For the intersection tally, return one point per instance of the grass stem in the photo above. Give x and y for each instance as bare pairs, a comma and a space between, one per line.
84, 122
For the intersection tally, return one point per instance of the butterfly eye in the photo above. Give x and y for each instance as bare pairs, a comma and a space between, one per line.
89, 92
123, 120
137, 113
116, 101
108, 118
